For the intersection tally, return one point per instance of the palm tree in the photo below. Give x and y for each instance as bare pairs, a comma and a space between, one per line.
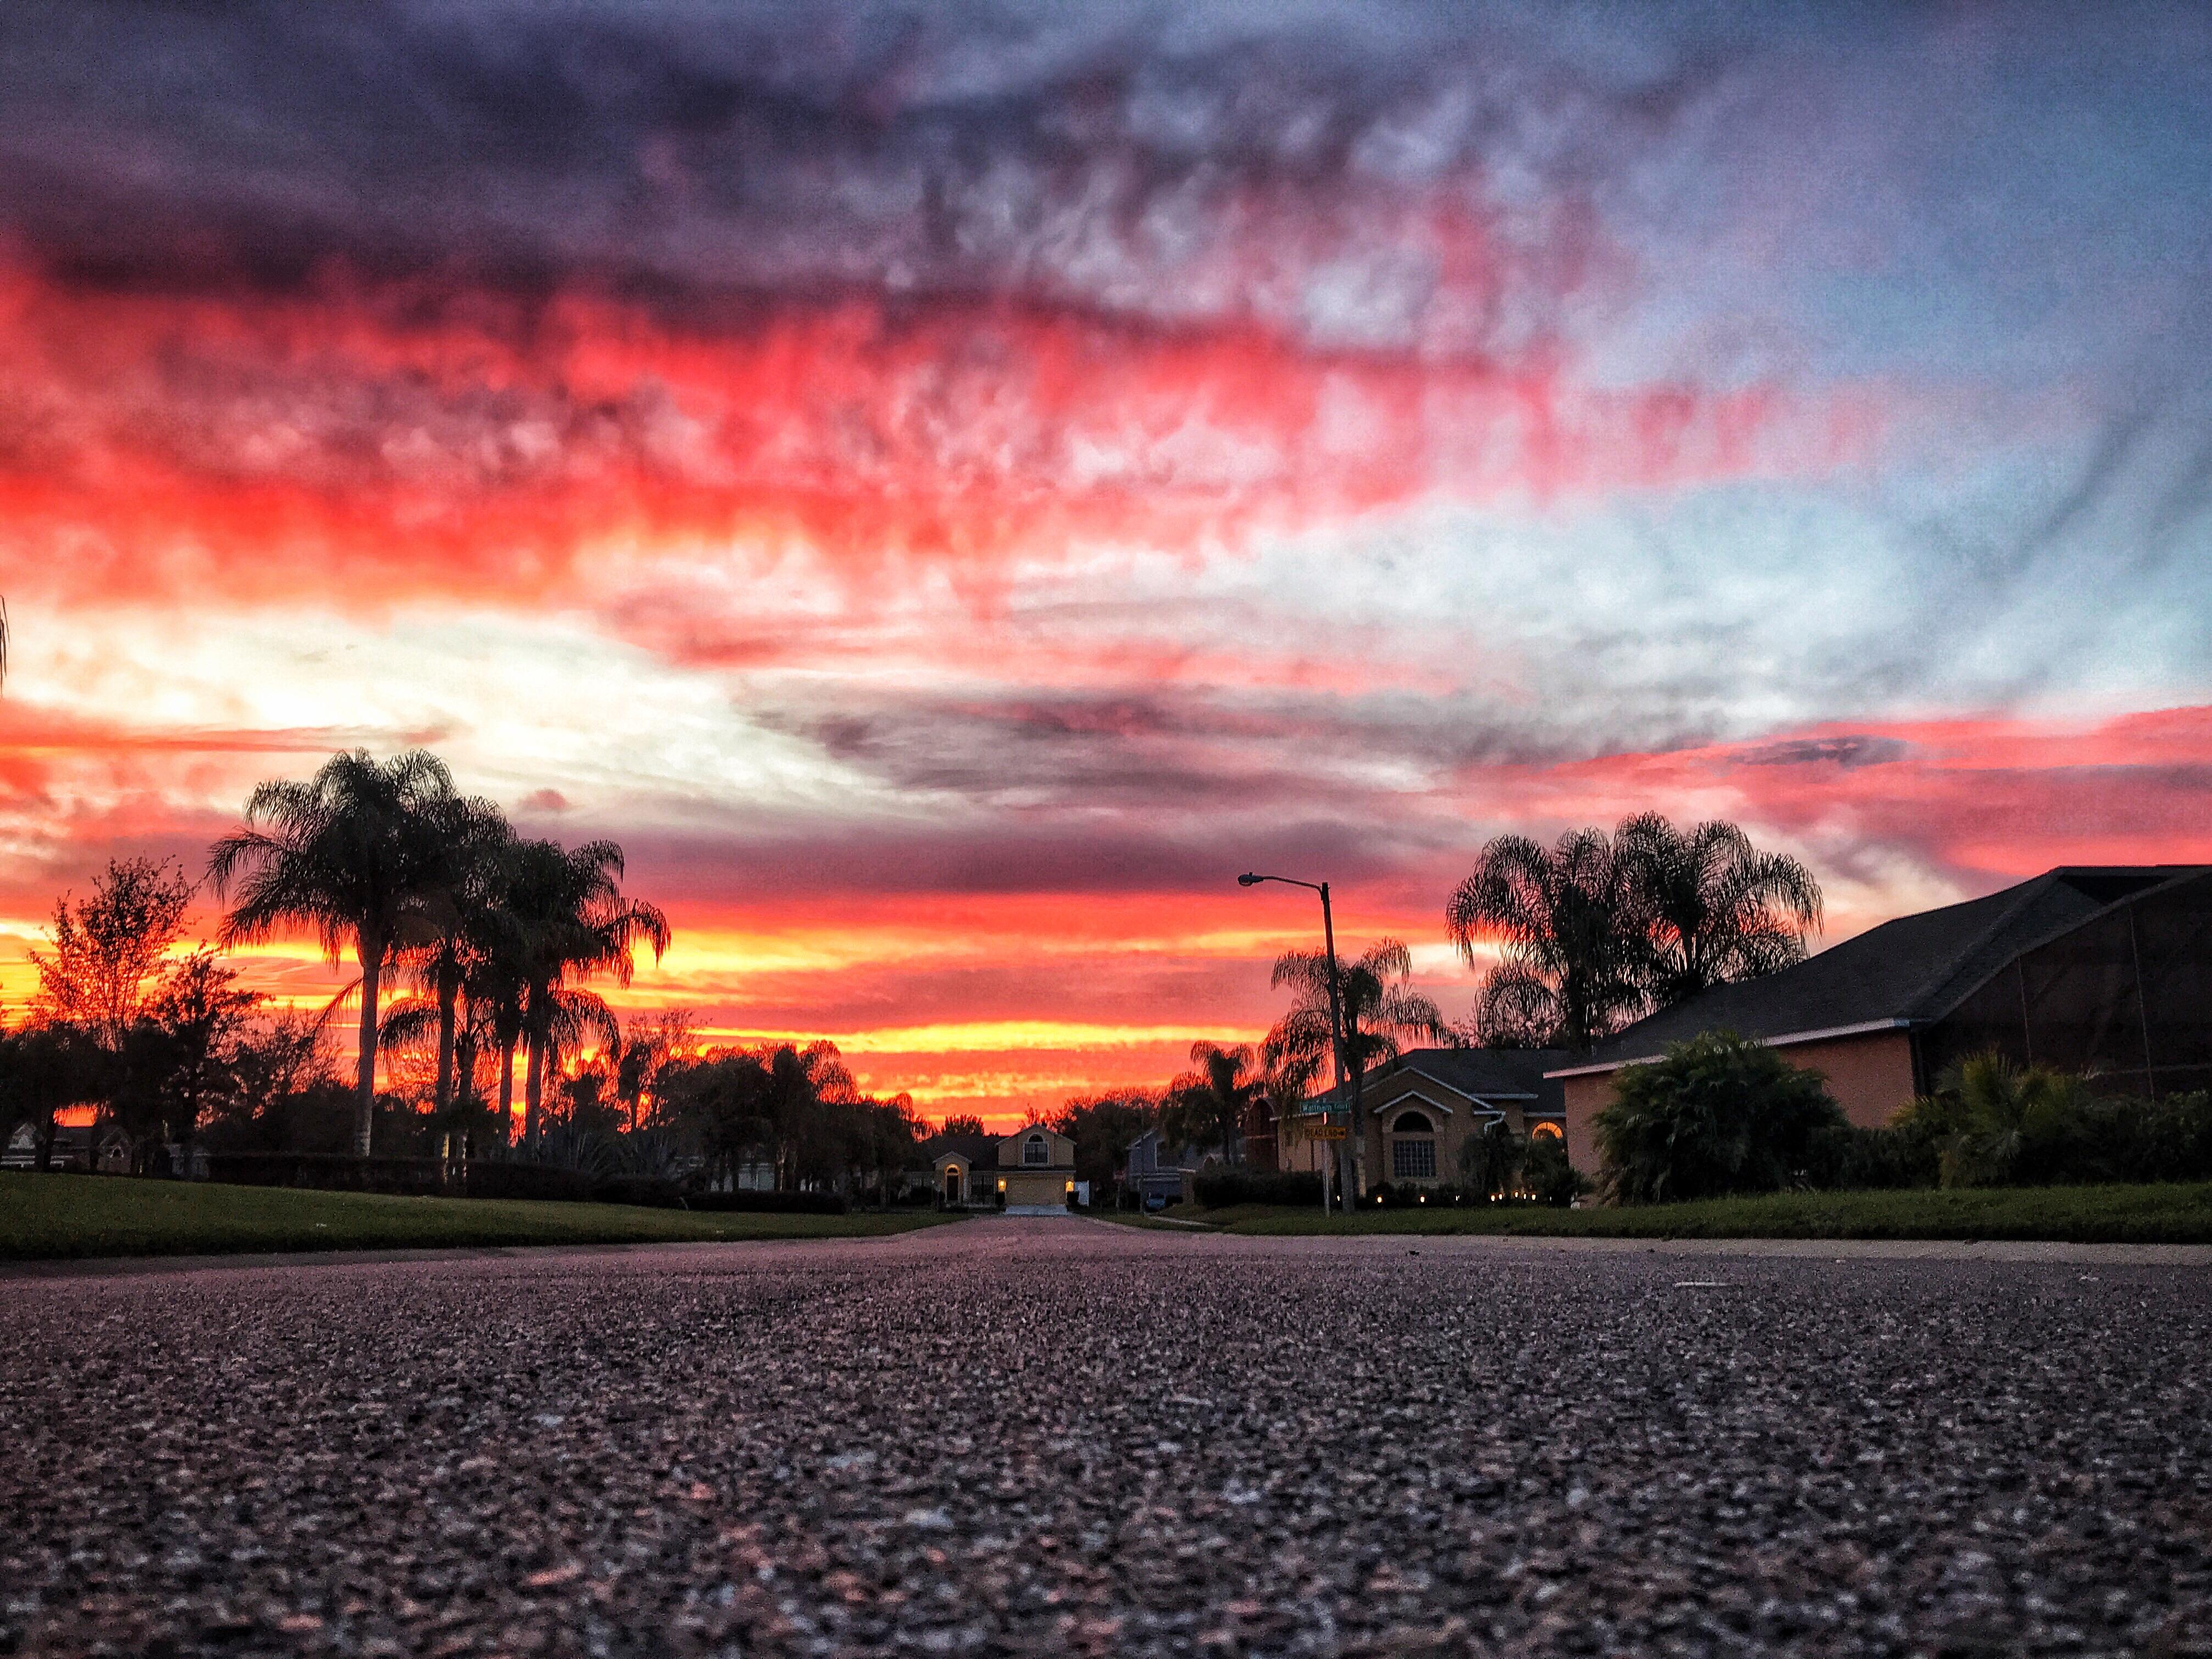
478, 838
1717, 908
1568, 917
1381, 1009
1287, 1085
568, 917
355, 853
1205, 1105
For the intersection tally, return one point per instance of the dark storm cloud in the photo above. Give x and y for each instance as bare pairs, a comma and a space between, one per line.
1194, 752
763, 862
1844, 751
1077, 154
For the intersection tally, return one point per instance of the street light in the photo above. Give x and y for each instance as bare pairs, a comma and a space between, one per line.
1335, 995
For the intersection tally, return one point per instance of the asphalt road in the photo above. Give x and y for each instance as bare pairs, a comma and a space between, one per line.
1062, 1437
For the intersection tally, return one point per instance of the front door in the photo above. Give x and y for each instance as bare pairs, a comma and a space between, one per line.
953, 1185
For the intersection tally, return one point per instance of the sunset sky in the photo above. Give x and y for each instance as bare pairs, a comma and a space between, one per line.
948, 487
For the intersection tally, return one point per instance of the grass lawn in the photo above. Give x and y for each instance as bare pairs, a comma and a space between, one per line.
52, 1216
2112, 1215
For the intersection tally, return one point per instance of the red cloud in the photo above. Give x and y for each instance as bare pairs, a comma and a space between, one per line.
381, 437
1984, 799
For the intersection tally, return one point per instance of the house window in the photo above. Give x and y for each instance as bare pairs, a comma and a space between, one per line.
1412, 1148
1033, 1150
1413, 1158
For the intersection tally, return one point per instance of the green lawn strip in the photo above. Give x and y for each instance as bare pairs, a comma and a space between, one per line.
1133, 1218
2178, 1214
59, 1217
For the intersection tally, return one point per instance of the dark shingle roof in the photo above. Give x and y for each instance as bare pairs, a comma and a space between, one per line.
982, 1152
1913, 969
1497, 1075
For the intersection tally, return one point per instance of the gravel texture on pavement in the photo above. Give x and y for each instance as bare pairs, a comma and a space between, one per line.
1062, 1437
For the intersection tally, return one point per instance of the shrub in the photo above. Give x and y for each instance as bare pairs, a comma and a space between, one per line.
769, 1203
1491, 1159
1717, 1115
1991, 1123
1218, 1192
652, 1192
1546, 1175
1845, 1157
329, 1172
503, 1178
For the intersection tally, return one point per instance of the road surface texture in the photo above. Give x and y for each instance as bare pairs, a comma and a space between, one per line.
1062, 1437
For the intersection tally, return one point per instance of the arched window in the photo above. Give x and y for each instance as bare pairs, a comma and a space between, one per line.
1550, 1130
1035, 1151
1412, 1148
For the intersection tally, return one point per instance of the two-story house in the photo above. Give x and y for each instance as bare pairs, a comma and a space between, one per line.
1028, 1172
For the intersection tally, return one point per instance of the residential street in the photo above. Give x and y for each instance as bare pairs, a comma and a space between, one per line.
1063, 1436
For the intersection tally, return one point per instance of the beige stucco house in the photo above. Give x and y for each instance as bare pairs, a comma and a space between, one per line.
2106, 970
1421, 1107
1030, 1171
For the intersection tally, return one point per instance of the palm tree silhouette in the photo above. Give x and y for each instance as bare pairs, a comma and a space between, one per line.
567, 919
1599, 928
355, 853
1205, 1105
1381, 1010
479, 839
1567, 917
1716, 909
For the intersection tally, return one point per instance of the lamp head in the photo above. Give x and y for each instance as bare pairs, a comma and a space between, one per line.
1248, 880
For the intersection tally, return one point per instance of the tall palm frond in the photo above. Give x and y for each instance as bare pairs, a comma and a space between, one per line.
354, 854
1565, 918
1716, 909
1206, 1106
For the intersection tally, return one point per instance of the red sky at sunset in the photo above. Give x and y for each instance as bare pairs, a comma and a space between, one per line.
947, 495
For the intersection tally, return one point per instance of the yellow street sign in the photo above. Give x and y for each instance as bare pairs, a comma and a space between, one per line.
1330, 1132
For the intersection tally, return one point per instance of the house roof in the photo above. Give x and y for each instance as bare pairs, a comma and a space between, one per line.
1173, 1160
1902, 974
976, 1152
1491, 1076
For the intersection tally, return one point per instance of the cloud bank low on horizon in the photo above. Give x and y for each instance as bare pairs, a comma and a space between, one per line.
947, 486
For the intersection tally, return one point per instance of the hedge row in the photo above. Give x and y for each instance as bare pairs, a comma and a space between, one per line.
331, 1172
495, 1178
1218, 1192
769, 1203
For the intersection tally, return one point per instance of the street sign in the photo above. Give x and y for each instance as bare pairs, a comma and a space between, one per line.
1330, 1132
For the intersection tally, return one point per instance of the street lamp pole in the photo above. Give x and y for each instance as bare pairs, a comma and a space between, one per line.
1336, 1032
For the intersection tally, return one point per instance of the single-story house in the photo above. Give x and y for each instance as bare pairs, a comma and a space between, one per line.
1421, 1108
2102, 969
1153, 1168
99, 1146
1029, 1172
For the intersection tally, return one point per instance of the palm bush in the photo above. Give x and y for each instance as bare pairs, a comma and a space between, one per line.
1717, 1115
1991, 1123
